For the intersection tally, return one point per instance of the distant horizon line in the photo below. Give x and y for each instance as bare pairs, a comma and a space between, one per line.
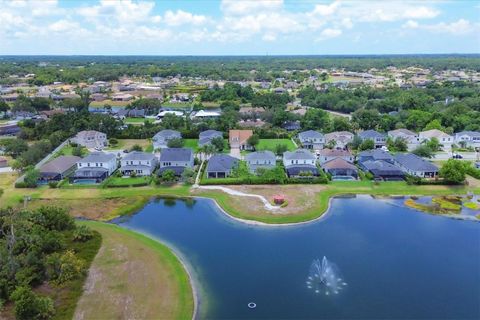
243, 55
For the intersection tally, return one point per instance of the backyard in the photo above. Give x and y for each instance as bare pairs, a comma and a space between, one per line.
270, 144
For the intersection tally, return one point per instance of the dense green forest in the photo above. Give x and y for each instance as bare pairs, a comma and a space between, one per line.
72, 69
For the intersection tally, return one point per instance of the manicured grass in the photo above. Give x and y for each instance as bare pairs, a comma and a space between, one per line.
129, 143
135, 270
182, 105
67, 151
270, 144
137, 120
192, 144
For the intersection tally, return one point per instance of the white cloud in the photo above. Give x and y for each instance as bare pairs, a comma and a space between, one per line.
325, 10
329, 34
181, 17
62, 26
459, 27
247, 7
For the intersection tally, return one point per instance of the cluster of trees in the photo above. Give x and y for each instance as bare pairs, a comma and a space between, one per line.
37, 247
229, 92
228, 68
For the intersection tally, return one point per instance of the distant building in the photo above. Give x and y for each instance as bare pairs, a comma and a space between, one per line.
160, 140
468, 138
97, 166
341, 138
411, 138
444, 139
207, 136
311, 139
238, 139
378, 138
299, 162
91, 139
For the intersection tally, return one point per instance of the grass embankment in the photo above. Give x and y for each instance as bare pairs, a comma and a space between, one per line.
134, 276
239, 208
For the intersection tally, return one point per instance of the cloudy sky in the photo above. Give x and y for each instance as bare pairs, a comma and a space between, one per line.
228, 27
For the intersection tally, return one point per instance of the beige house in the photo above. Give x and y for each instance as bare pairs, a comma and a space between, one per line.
238, 139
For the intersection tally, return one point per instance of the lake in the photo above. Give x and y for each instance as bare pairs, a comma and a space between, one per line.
395, 262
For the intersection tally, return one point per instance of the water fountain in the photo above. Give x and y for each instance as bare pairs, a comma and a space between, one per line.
324, 277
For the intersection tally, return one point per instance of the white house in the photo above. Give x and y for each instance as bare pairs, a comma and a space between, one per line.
468, 138
139, 163
91, 139
96, 166
411, 138
445, 139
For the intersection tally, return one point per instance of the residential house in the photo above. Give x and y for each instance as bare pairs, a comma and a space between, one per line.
468, 139
238, 139
340, 169
97, 166
375, 155
58, 168
383, 170
411, 138
444, 139
91, 139
160, 140
416, 166
122, 97
138, 163
260, 159
291, 125
326, 155
207, 136
3, 162
163, 113
340, 138
311, 139
221, 165
299, 161
176, 159
378, 138
200, 115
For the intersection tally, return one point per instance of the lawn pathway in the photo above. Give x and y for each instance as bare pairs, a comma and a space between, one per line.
232, 192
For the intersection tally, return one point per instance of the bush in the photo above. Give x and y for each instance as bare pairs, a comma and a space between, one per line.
77, 151
53, 184
64, 267
82, 234
53, 218
29, 306
113, 141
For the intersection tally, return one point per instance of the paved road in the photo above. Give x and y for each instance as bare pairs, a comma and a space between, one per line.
235, 152
470, 156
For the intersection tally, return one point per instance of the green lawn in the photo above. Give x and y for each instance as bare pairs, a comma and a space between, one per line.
137, 120
67, 151
182, 105
192, 144
101, 104
130, 181
270, 144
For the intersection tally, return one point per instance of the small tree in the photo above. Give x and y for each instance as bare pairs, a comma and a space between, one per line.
113, 141
218, 143
77, 151
423, 151
253, 140
64, 267
433, 144
188, 176
175, 143
31, 178
29, 305
453, 171
136, 147
280, 149
367, 145
168, 175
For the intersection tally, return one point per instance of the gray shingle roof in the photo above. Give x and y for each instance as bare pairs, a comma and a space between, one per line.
414, 162
370, 134
138, 155
208, 135
176, 154
167, 134
261, 155
338, 163
98, 157
376, 154
468, 133
310, 134
298, 154
60, 164
221, 163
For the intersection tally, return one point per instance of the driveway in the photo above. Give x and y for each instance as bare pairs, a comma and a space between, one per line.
6, 170
235, 152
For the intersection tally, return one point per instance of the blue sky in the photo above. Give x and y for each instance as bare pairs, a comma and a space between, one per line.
242, 27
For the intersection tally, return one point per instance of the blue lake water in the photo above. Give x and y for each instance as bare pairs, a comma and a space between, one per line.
397, 263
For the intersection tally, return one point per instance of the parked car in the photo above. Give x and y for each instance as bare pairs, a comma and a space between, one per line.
457, 156
477, 165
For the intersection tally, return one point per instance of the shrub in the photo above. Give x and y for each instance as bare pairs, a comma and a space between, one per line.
113, 141
52, 184
82, 234
31, 178
29, 305
64, 267
53, 218
77, 151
